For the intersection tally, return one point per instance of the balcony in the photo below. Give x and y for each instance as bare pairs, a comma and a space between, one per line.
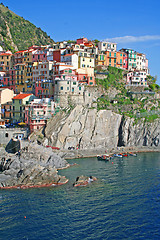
112, 56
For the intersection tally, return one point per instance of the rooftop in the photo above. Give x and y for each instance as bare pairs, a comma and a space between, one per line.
22, 96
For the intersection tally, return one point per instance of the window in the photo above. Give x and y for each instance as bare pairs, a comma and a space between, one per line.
110, 54
68, 82
68, 88
55, 82
114, 54
74, 83
6, 135
79, 88
61, 88
91, 83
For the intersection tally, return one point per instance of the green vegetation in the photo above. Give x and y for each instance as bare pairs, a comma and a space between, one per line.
113, 79
23, 33
143, 107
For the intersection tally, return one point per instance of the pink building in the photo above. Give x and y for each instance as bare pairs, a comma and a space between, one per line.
18, 56
38, 112
9, 79
125, 60
85, 79
39, 55
82, 40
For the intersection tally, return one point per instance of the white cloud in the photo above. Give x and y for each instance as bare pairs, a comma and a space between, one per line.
128, 39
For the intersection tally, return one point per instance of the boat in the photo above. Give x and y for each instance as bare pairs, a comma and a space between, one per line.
103, 157
117, 155
132, 154
124, 154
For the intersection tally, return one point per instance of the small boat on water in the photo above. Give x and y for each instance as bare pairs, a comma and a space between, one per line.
103, 157
124, 154
118, 155
132, 154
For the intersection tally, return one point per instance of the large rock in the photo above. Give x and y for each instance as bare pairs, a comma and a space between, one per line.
86, 128
34, 166
92, 129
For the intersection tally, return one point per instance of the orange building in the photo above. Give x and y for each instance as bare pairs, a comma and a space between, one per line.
111, 59
119, 63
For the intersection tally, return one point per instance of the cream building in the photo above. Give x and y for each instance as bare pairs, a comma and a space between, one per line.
6, 95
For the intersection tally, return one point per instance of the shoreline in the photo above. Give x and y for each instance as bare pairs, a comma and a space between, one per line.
84, 153
79, 153
53, 184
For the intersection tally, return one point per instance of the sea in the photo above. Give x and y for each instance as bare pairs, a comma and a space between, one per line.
124, 203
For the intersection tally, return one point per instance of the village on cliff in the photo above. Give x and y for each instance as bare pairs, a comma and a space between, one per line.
35, 83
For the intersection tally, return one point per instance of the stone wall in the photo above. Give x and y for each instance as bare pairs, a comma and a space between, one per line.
8, 133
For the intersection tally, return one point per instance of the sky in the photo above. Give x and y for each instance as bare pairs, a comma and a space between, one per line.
131, 24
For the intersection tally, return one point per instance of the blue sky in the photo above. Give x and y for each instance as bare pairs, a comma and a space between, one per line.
104, 19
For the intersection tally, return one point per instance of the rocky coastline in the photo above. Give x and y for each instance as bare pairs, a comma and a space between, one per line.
32, 166
36, 166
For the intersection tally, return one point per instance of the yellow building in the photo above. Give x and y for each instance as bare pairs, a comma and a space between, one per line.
85, 60
101, 60
20, 77
6, 61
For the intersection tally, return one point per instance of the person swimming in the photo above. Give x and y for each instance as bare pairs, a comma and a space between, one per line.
90, 179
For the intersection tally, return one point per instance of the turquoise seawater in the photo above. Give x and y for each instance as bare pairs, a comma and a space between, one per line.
123, 204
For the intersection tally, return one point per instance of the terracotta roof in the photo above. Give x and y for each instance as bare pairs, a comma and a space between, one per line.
22, 96
68, 55
21, 51
5, 54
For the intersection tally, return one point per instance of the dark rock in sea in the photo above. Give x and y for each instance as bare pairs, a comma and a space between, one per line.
33, 166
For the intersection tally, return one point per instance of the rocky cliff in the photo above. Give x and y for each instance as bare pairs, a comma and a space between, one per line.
92, 129
34, 166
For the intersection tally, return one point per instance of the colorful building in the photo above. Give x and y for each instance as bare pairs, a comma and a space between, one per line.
6, 95
86, 60
137, 78
82, 40
6, 110
111, 58
37, 112
86, 76
18, 106
107, 46
6, 61
20, 73
70, 59
132, 56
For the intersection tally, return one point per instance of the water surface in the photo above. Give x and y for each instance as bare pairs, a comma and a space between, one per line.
123, 204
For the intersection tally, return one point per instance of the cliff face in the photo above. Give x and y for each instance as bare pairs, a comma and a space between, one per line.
139, 134
92, 129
